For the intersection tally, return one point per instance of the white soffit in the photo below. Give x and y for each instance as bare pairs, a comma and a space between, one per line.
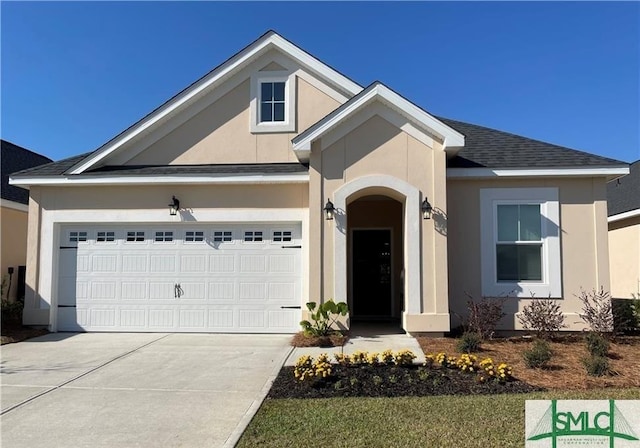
452, 139
201, 87
482, 173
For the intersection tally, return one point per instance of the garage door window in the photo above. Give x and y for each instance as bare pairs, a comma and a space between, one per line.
135, 237
106, 237
252, 236
194, 236
222, 236
164, 236
281, 235
74, 236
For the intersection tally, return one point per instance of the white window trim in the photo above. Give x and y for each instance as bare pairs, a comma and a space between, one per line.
289, 123
551, 284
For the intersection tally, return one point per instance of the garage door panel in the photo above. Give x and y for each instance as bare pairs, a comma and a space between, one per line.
222, 263
191, 282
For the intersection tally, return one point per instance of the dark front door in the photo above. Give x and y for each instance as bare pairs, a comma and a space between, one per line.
371, 273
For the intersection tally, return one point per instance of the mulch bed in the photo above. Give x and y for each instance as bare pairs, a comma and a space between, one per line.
390, 381
15, 332
335, 339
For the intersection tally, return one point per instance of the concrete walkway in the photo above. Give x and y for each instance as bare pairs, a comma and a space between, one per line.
135, 390
369, 339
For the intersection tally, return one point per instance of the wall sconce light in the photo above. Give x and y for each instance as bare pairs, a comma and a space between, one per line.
426, 209
329, 210
174, 206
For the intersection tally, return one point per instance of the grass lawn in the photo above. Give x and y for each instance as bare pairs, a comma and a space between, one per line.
441, 421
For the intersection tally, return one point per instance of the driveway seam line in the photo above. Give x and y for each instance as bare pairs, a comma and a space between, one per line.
234, 437
77, 377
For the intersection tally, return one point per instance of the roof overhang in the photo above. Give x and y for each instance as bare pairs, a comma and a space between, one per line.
452, 140
61, 181
611, 172
14, 205
270, 40
625, 215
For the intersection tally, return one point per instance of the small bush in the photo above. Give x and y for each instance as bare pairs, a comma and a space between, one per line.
538, 355
626, 315
596, 365
323, 317
469, 343
467, 363
404, 358
387, 357
306, 369
500, 373
484, 315
596, 310
543, 316
597, 345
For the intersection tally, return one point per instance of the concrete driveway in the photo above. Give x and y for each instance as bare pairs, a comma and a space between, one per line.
135, 390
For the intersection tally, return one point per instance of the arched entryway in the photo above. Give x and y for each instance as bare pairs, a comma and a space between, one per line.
375, 260
395, 191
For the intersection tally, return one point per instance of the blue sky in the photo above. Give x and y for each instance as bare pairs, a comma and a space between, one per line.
75, 74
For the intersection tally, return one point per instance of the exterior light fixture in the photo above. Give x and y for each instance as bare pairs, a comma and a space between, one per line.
426, 209
174, 206
329, 210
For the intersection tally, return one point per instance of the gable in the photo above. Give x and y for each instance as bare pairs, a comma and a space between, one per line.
203, 92
220, 132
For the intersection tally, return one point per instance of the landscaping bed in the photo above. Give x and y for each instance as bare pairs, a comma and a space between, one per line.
390, 381
334, 339
16, 332
565, 370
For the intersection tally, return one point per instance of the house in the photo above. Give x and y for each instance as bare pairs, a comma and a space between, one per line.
13, 218
624, 234
275, 180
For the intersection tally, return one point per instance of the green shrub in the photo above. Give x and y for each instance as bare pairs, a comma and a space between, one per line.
469, 343
626, 315
323, 317
596, 365
538, 355
597, 345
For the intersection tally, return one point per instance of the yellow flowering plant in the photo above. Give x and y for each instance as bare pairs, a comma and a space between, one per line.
404, 357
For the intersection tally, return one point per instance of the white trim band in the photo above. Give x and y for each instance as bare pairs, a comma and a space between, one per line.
167, 179
14, 205
479, 173
625, 215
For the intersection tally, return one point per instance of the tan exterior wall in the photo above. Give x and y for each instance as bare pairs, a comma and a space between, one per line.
13, 239
584, 245
379, 147
221, 132
624, 257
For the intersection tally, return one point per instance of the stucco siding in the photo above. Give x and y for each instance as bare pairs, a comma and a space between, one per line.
583, 239
624, 257
378, 147
221, 132
13, 240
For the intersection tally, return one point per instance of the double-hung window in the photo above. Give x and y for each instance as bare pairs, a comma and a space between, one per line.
520, 245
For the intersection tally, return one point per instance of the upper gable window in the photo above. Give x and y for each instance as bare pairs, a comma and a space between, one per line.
273, 97
272, 102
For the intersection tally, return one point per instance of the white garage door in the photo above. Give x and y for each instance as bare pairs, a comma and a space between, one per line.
198, 278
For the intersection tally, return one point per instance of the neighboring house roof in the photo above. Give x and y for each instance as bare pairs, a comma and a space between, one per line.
16, 158
623, 195
490, 148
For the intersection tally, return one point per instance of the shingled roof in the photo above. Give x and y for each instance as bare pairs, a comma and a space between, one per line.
623, 195
16, 158
490, 148
484, 148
